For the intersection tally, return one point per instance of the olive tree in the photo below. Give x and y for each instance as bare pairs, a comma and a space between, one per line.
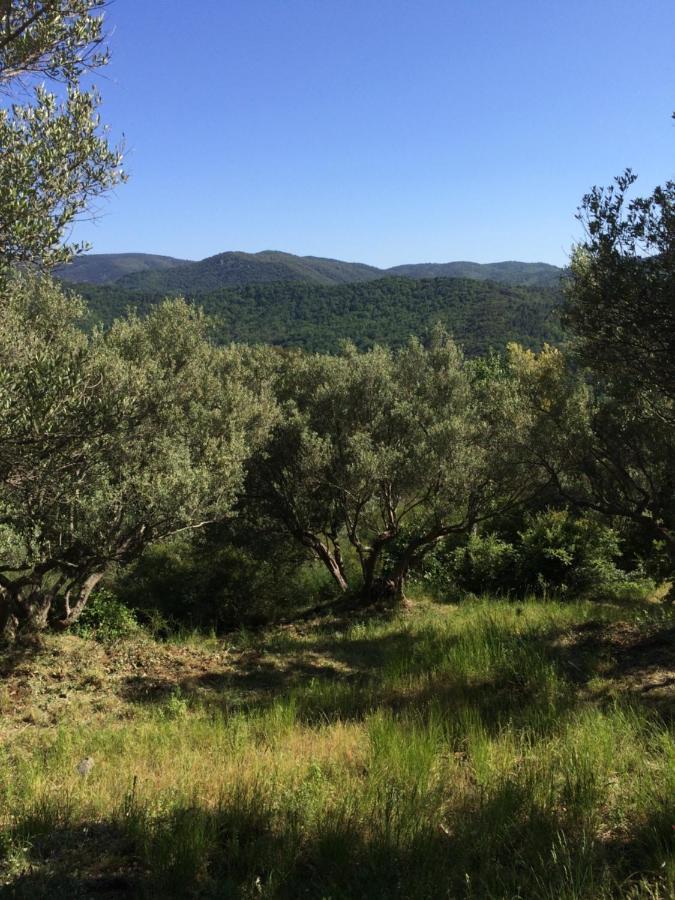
614, 451
610, 452
107, 443
386, 453
55, 158
620, 294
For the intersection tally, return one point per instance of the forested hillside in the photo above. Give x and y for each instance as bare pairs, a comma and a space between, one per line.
236, 268
102, 268
481, 314
536, 274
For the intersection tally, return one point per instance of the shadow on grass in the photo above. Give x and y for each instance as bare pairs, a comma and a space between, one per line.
501, 845
261, 678
20, 654
640, 663
95, 859
333, 677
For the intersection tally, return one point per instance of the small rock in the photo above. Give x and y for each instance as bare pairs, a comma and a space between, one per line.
85, 766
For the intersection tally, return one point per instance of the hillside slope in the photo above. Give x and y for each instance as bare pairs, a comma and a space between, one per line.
481, 314
234, 268
511, 272
100, 268
148, 272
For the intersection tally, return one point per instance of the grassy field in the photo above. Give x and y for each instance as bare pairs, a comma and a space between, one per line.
478, 750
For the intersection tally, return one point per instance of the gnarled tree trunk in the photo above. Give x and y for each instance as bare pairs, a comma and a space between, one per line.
74, 601
332, 561
28, 606
23, 610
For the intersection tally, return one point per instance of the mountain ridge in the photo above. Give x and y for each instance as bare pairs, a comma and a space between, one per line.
237, 268
106, 268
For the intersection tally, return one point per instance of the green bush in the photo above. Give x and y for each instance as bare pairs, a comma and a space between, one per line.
106, 618
565, 553
554, 552
485, 563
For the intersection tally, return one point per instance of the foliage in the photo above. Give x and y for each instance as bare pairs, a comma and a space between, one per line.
564, 552
481, 315
484, 563
610, 452
219, 580
620, 293
106, 618
56, 40
620, 308
42, 191
54, 157
107, 443
388, 452
555, 552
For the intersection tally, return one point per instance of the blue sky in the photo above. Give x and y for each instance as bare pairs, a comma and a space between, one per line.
383, 131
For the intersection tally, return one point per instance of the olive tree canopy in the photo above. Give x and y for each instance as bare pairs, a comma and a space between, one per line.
379, 455
55, 158
620, 302
107, 442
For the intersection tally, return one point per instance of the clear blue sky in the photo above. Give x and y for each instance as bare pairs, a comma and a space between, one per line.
383, 131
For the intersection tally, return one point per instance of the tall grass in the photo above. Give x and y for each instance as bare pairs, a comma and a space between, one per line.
451, 756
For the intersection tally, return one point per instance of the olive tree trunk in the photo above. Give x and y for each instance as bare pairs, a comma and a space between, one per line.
28, 606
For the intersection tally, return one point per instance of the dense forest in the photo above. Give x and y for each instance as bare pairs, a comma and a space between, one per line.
482, 315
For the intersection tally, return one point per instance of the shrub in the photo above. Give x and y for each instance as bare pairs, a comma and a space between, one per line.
214, 582
106, 618
555, 551
485, 563
566, 553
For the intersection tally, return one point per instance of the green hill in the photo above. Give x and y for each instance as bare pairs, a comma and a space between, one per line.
541, 274
100, 268
227, 269
481, 314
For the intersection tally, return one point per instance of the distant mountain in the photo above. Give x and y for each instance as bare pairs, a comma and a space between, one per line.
539, 274
235, 268
147, 272
481, 314
103, 268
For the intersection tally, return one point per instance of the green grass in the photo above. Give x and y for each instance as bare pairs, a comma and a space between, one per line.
449, 751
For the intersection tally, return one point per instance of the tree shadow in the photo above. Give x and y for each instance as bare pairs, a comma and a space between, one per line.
501, 844
93, 860
639, 662
334, 677
259, 679
347, 682
20, 653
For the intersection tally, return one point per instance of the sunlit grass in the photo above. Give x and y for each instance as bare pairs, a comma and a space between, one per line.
442, 753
